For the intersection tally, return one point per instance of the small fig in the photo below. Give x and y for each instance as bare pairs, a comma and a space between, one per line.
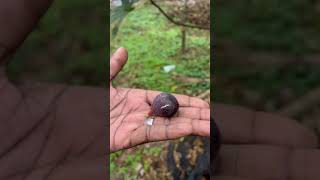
164, 105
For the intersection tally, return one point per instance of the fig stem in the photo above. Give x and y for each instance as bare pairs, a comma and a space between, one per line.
150, 113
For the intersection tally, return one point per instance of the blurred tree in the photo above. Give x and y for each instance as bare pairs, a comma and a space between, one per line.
187, 13
184, 13
119, 10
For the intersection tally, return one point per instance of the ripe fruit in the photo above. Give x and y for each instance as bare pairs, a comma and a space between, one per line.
164, 105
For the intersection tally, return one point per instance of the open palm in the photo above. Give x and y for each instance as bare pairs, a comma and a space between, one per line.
129, 109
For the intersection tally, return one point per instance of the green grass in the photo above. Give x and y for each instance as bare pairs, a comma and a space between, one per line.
152, 42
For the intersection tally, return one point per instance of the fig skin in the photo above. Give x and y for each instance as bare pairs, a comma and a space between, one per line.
164, 105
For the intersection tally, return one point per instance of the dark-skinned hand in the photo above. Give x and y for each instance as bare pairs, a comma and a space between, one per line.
129, 109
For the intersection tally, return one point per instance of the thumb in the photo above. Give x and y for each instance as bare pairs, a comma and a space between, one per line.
117, 61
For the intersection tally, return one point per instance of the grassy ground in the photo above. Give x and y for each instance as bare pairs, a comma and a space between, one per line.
152, 43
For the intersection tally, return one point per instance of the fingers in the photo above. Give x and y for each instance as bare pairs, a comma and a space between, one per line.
184, 101
241, 125
194, 113
117, 61
269, 162
305, 164
201, 128
182, 125
165, 129
178, 128
230, 178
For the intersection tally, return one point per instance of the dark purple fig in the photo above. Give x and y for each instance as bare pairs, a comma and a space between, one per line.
164, 105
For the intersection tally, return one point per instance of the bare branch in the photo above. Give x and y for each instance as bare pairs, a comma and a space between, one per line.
177, 22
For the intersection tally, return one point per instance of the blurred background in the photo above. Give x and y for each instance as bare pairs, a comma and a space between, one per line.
169, 50
268, 57
68, 45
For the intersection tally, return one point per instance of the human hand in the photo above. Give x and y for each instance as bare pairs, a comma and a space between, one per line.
258, 145
129, 108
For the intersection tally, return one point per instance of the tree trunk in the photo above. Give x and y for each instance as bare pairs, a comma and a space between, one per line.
183, 40
184, 33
